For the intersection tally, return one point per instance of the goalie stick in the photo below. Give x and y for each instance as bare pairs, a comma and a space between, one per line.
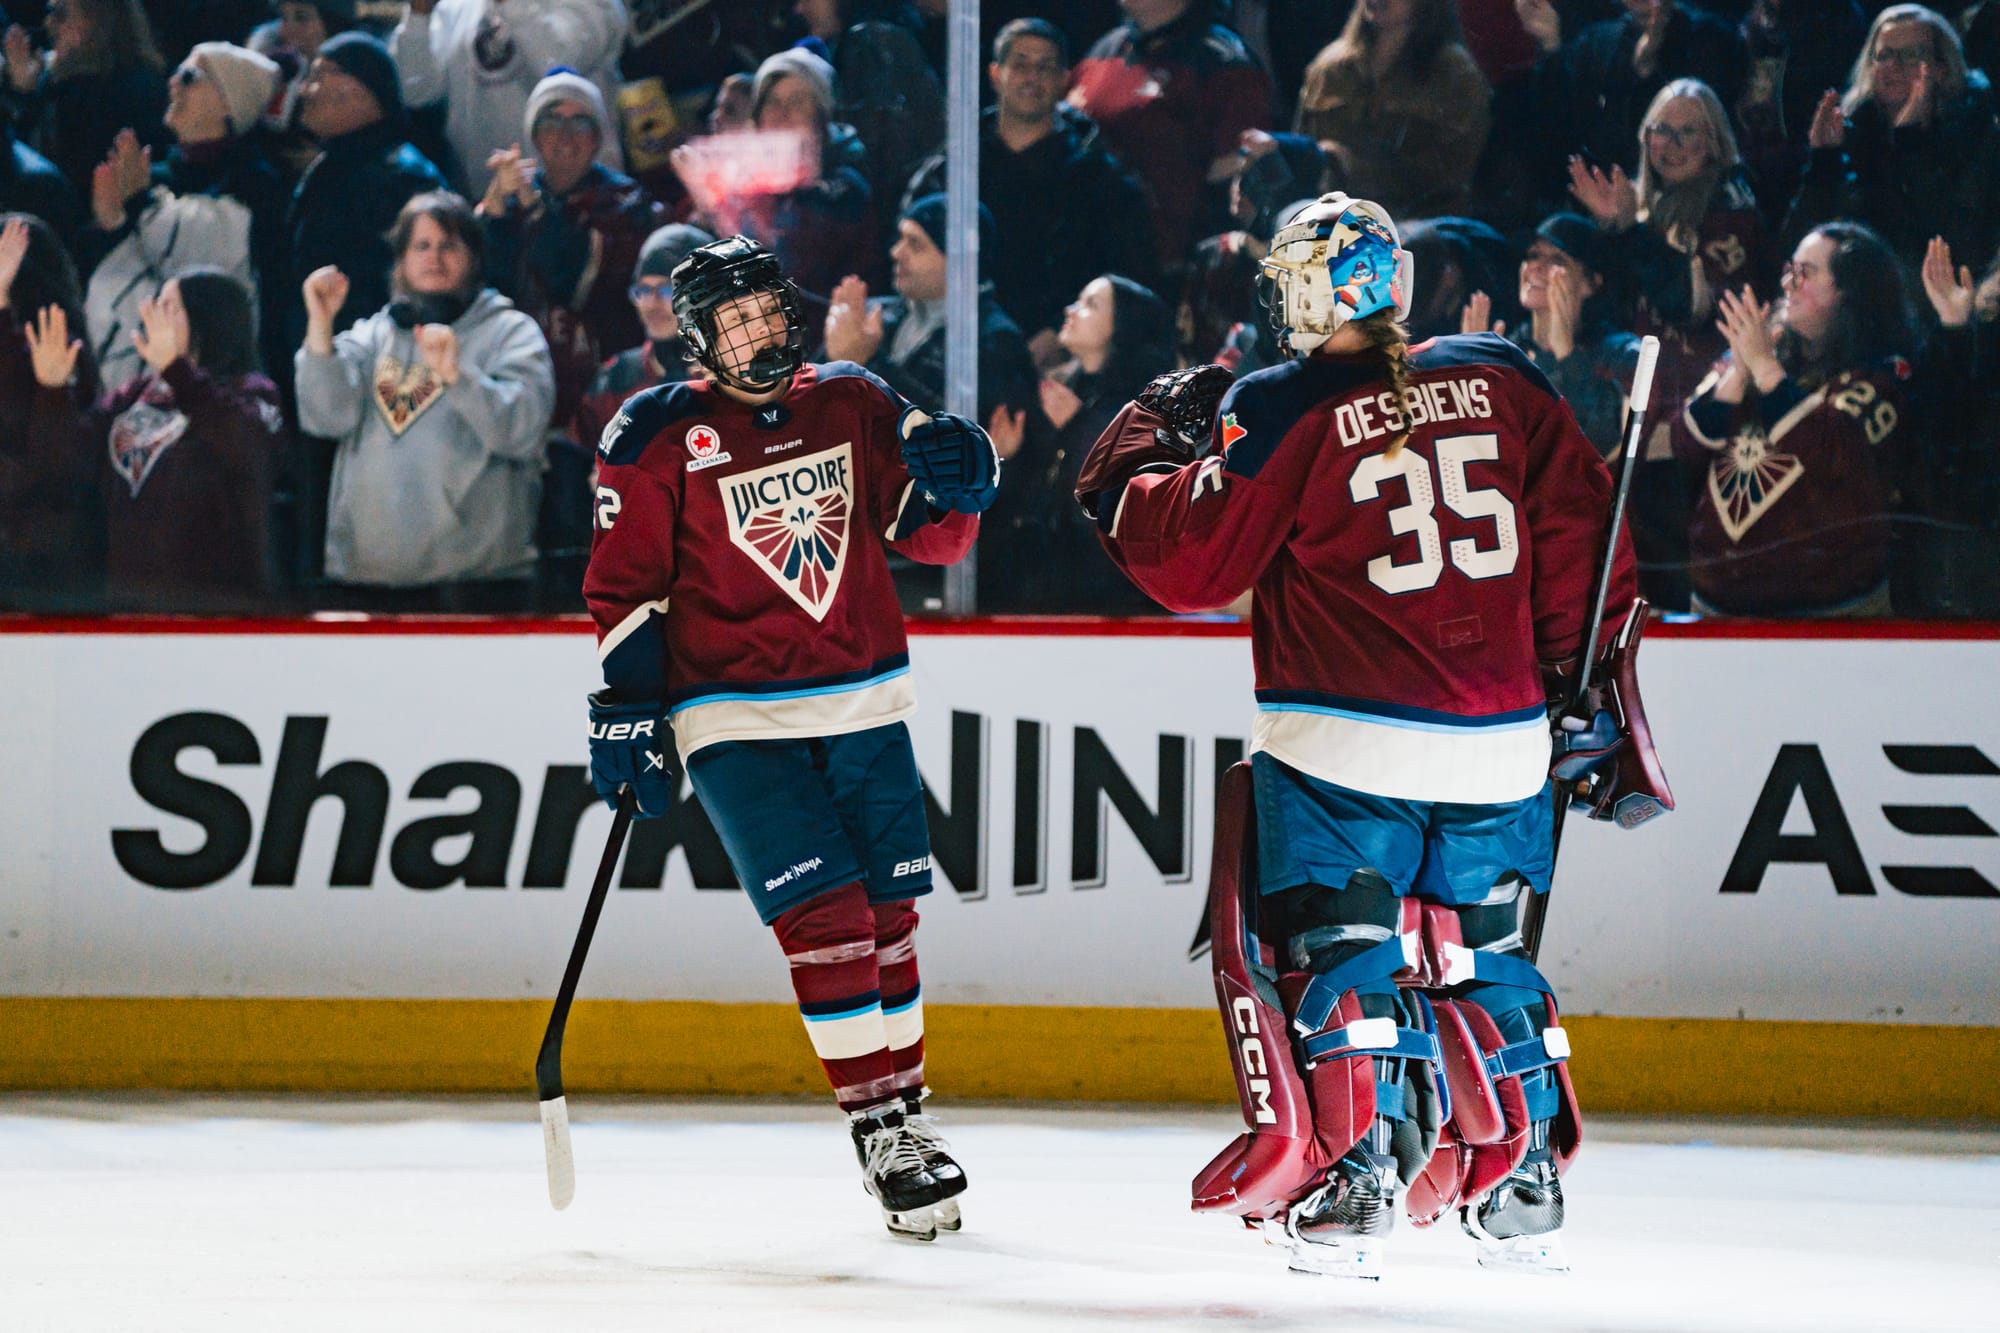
1635, 426
548, 1062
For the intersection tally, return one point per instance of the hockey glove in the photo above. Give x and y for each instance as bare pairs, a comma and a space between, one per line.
1186, 400
951, 460
632, 745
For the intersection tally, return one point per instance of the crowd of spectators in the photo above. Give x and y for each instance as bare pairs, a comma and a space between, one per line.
325, 303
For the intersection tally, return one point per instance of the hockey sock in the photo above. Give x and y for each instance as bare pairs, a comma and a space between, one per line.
830, 943
902, 996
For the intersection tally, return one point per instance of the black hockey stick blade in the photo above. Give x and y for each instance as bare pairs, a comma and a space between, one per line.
548, 1062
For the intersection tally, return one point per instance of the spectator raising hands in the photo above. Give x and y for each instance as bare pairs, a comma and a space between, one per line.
51, 350
183, 459
1950, 291
1799, 430
1911, 149
440, 403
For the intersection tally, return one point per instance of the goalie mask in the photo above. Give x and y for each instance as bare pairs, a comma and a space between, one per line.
1340, 259
707, 281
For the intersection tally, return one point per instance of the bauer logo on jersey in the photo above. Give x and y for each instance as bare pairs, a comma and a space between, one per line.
792, 519
705, 448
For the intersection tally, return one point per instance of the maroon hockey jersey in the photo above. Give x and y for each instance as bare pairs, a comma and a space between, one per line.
1793, 514
737, 567
1401, 602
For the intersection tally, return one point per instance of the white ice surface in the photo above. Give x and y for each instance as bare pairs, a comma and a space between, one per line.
170, 1214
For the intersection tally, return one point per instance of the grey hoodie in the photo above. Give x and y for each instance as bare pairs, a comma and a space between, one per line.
431, 484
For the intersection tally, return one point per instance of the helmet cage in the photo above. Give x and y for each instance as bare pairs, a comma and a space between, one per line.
711, 278
1340, 260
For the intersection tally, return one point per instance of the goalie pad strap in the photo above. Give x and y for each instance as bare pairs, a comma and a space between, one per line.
1323, 992
1550, 1047
1463, 965
1405, 1043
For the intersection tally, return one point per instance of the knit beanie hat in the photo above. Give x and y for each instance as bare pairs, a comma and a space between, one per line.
667, 247
795, 63
929, 213
246, 80
563, 84
368, 61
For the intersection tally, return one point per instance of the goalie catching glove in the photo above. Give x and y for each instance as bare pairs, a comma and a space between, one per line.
632, 745
1179, 407
1186, 401
951, 460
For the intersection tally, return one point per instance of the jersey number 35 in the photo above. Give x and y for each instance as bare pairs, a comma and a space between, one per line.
1419, 516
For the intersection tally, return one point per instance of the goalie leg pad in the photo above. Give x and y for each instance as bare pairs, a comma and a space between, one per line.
1373, 1065
1279, 1156
1504, 1056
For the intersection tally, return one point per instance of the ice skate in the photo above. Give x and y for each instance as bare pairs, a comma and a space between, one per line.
1342, 1228
937, 1160
893, 1170
1518, 1227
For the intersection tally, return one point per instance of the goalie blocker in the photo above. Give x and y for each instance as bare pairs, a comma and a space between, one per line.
1603, 752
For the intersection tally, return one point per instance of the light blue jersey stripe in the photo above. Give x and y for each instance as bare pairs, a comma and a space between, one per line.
1407, 724
817, 692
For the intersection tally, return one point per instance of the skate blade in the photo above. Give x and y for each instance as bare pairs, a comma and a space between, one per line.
1355, 1256
1525, 1254
947, 1216
919, 1224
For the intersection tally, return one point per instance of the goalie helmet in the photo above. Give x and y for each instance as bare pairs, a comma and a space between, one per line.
1340, 259
723, 271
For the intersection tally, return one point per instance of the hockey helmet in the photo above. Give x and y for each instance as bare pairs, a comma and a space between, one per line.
1338, 259
710, 278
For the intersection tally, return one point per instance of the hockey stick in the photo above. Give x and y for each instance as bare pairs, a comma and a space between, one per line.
548, 1062
1635, 427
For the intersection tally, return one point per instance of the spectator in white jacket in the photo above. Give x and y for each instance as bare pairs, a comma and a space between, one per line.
440, 403
482, 58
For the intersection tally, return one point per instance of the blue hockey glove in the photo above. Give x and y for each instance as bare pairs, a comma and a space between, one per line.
951, 460
632, 745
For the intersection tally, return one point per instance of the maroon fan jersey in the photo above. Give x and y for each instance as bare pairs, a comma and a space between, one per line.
1402, 601
737, 569
1793, 514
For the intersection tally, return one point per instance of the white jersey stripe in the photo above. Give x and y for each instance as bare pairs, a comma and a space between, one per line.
1484, 766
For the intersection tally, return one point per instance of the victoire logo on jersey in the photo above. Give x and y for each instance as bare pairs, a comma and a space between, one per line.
705, 448
792, 519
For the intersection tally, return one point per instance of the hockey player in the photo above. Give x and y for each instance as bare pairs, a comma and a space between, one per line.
748, 629
1421, 526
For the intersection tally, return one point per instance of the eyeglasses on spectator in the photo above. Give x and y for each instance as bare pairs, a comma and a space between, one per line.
1676, 136
648, 291
554, 122
1902, 55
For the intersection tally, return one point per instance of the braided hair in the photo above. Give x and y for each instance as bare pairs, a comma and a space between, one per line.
1386, 334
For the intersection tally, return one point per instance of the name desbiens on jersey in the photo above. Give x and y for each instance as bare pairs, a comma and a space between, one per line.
1454, 398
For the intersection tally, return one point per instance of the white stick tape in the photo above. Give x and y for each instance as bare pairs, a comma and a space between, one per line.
1642, 378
